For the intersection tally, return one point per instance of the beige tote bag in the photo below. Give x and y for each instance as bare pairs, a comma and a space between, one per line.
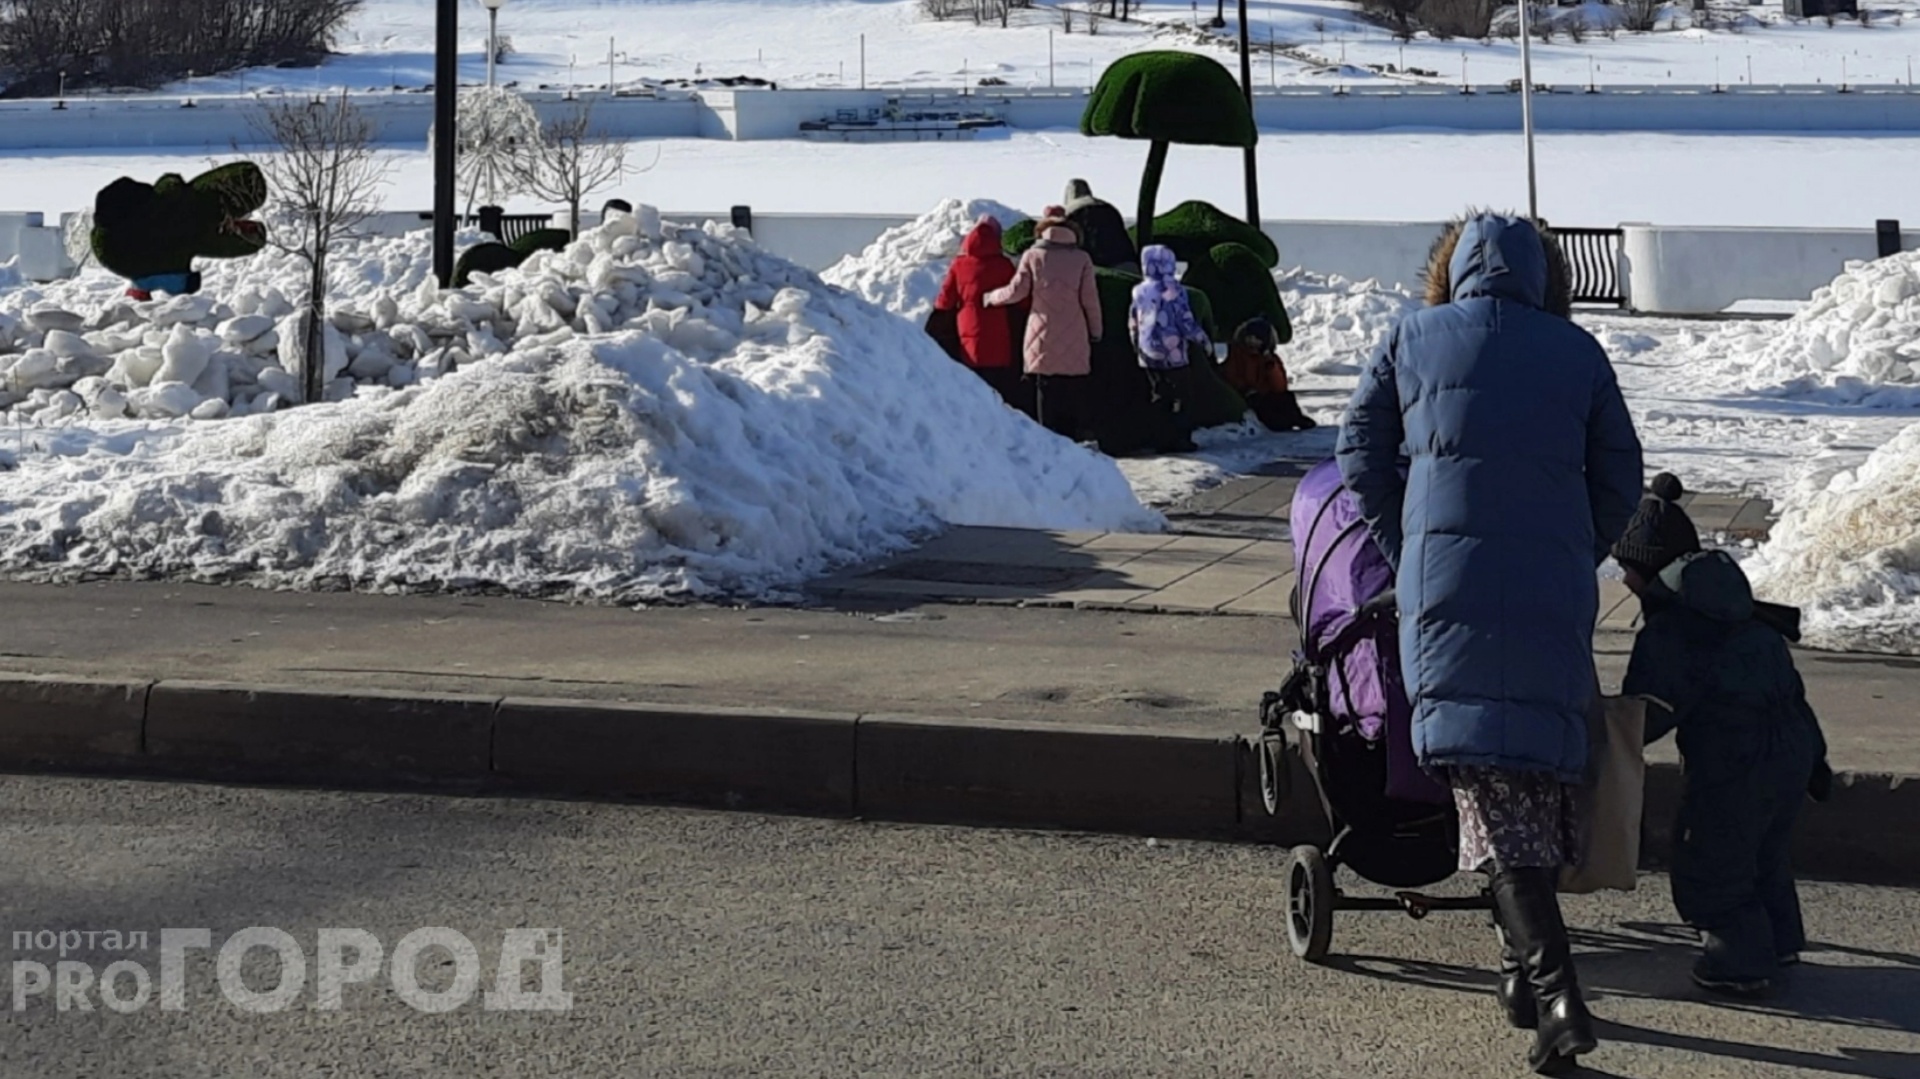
1609, 803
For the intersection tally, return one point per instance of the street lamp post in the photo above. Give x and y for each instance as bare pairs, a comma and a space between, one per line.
1246, 87
446, 89
1526, 108
493, 34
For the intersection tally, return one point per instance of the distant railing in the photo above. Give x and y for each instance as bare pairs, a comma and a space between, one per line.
506, 227
1593, 263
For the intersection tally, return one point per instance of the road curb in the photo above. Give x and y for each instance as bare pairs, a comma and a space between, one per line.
721, 758
987, 771
929, 769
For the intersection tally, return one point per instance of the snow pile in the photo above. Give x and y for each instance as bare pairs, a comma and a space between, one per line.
655, 411
1850, 555
1338, 324
902, 270
1856, 343
80, 349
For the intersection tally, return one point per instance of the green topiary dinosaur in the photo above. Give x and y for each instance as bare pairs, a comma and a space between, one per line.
494, 257
151, 233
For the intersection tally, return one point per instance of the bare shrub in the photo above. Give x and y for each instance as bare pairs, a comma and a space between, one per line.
1458, 18
570, 161
1639, 16
149, 42
324, 177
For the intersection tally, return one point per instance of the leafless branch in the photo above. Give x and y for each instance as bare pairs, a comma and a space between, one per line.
570, 161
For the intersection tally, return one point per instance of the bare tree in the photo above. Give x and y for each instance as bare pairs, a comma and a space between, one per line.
1640, 16
570, 161
148, 42
324, 177
496, 125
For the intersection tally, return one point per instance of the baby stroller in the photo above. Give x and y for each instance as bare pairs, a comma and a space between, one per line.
1344, 701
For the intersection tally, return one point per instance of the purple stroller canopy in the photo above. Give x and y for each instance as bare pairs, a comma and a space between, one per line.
1339, 570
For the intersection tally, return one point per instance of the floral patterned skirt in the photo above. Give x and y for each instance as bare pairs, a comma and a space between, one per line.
1514, 820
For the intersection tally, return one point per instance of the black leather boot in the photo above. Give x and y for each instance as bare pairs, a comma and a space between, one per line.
1529, 909
1516, 993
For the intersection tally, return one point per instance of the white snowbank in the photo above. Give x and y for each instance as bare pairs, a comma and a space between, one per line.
902, 270
1856, 343
655, 411
1850, 555
1338, 324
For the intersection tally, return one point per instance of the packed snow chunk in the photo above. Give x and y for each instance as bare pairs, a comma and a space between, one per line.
1857, 342
184, 356
902, 270
1338, 324
165, 401
48, 318
1850, 555
737, 444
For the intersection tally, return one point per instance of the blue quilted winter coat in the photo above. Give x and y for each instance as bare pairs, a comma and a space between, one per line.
1522, 468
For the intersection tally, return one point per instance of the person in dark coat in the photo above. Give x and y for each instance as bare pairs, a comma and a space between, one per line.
1495, 463
979, 336
1719, 662
1103, 231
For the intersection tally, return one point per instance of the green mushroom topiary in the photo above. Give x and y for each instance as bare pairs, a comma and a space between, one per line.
151, 233
1241, 286
1164, 98
1194, 228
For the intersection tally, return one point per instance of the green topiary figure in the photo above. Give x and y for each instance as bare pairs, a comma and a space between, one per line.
494, 257
541, 240
1241, 287
1192, 229
1019, 236
484, 258
151, 233
1166, 98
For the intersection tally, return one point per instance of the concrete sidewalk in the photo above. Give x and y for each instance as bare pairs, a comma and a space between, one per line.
1230, 552
1122, 668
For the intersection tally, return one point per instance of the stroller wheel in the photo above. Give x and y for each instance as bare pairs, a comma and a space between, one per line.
1309, 904
1273, 771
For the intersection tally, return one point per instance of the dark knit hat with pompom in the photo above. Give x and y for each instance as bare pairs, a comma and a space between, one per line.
1660, 530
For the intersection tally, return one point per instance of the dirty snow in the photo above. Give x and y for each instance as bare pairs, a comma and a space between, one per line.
1849, 555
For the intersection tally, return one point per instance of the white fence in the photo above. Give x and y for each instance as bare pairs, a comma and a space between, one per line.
403, 117
1663, 270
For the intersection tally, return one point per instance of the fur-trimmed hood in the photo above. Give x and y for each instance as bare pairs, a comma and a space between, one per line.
1504, 246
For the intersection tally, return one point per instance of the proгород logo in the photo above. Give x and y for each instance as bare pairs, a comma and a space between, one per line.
527, 977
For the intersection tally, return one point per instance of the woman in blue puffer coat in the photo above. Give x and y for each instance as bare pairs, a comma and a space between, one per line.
1495, 462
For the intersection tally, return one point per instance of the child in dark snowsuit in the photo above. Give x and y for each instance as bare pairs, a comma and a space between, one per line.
1751, 744
1254, 368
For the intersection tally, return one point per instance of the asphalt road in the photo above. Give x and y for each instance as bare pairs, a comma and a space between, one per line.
704, 944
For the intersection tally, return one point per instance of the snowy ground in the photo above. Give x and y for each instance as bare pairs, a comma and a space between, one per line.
1820, 412
1584, 179
815, 43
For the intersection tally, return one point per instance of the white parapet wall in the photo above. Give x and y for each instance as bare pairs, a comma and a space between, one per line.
1665, 270
40, 250
1703, 271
